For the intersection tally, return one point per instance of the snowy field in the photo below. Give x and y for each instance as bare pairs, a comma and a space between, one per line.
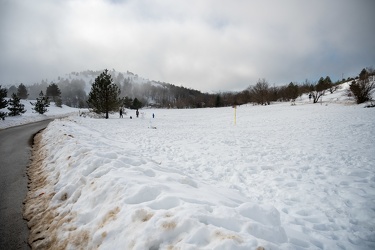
283, 177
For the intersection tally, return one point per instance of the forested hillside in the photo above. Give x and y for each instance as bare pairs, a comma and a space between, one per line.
74, 89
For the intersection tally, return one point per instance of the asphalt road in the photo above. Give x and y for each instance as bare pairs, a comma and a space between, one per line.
15, 152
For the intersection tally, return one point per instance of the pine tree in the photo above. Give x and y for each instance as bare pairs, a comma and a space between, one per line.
15, 106
22, 91
104, 95
53, 91
58, 102
41, 104
12, 89
137, 104
128, 102
218, 102
3, 102
291, 91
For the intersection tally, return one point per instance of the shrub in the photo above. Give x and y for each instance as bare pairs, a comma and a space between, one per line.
363, 87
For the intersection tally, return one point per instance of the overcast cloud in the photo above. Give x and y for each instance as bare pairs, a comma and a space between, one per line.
217, 45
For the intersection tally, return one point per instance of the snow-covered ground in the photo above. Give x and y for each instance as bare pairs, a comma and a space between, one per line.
283, 177
31, 116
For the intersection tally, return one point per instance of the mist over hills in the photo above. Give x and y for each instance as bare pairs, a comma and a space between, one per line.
76, 86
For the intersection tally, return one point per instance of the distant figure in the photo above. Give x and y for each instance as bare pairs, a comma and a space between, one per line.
153, 115
131, 117
121, 116
137, 113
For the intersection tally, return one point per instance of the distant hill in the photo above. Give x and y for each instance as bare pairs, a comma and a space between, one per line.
76, 86
88, 76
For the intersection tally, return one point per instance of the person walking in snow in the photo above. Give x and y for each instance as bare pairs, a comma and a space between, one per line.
121, 116
137, 113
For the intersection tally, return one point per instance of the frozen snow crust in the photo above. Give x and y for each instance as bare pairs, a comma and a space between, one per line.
283, 177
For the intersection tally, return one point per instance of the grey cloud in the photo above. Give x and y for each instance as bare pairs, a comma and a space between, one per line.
207, 45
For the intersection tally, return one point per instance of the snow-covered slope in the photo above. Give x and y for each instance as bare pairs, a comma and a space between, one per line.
339, 96
283, 177
31, 116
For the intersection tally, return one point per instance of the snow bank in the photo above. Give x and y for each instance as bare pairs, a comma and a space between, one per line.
285, 177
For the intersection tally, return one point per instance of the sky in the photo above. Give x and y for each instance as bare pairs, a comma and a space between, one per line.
211, 46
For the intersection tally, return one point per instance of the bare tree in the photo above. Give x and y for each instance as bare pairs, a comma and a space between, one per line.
363, 87
260, 92
319, 89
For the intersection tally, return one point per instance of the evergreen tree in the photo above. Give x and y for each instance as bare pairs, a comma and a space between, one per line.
218, 102
22, 91
328, 81
53, 91
104, 95
291, 91
137, 104
128, 102
58, 102
41, 104
11, 90
15, 106
363, 75
3, 102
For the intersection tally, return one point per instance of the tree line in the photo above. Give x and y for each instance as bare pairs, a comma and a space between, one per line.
16, 108
105, 94
165, 95
71, 92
